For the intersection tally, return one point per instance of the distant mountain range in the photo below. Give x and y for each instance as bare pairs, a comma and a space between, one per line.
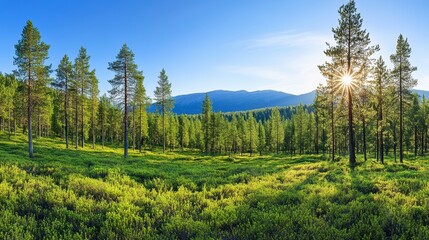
233, 101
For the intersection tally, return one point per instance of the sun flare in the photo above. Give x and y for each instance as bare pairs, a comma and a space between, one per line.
347, 80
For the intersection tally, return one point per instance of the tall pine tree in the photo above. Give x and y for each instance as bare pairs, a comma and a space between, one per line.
350, 58
123, 84
31, 54
163, 100
64, 73
401, 73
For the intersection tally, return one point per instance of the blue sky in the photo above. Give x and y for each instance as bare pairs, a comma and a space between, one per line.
206, 45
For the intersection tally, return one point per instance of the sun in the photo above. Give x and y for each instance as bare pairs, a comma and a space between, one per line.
343, 81
347, 80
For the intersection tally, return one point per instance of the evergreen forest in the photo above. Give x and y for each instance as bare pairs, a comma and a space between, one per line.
78, 164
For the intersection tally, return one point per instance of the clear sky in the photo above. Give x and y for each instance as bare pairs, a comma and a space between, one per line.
206, 45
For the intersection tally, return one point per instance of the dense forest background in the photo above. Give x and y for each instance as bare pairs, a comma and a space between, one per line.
374, 114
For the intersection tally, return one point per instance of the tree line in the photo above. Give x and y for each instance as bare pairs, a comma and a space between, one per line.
374, 113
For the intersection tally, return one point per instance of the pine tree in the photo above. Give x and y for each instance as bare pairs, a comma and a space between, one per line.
207, 111
102, 113
380, 83
82, 78
163, 100
141, 102
123, 84
8, 87
93, 89
401, 73
299, 128
277, 133
252, 131
64, 73
31, 54
261, 138
183, 131
351, 58
42, 102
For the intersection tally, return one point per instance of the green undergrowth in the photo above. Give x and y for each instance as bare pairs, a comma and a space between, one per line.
96, 194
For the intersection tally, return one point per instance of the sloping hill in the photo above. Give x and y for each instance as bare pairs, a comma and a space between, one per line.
232, 101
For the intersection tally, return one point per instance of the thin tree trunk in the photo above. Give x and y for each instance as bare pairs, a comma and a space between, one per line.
422, 142
395, 141
377, 137
77, 118
333, 129
93, 125
82, 127
352, 156
401, 130
14, 123
8, 124
163, 130
29, 103
140, 130
126, 113
134, 128
38, 123
66, 120
316, 142
364, 137
381, 133
415, 141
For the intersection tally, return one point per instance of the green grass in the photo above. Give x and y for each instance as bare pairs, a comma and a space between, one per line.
96, 194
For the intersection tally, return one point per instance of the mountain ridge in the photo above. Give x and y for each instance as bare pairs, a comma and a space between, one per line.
242, 100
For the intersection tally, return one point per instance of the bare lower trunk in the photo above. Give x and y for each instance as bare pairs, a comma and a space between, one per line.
77, 119
29, 102
364, 137
395, 141
134, 129
140, 131
415, 141
332, 130
401, 124
125, 114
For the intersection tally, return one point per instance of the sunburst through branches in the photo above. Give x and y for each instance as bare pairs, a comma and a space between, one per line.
344, 81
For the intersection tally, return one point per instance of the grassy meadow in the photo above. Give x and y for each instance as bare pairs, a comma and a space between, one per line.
96, 194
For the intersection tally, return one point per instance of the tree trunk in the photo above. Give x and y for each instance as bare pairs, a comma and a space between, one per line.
352, 156
163, 128
134, 128
394, 141
82, 126
29, 103
422, 142
93, 126
14, 123
125, 113
364, 137
333, 129
381, 140
66, 120
316, 142
377, 137
140, 130
8, 124
401, 130
415, 141
77, 118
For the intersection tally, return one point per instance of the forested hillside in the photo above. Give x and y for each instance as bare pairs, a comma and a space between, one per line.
234, 101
